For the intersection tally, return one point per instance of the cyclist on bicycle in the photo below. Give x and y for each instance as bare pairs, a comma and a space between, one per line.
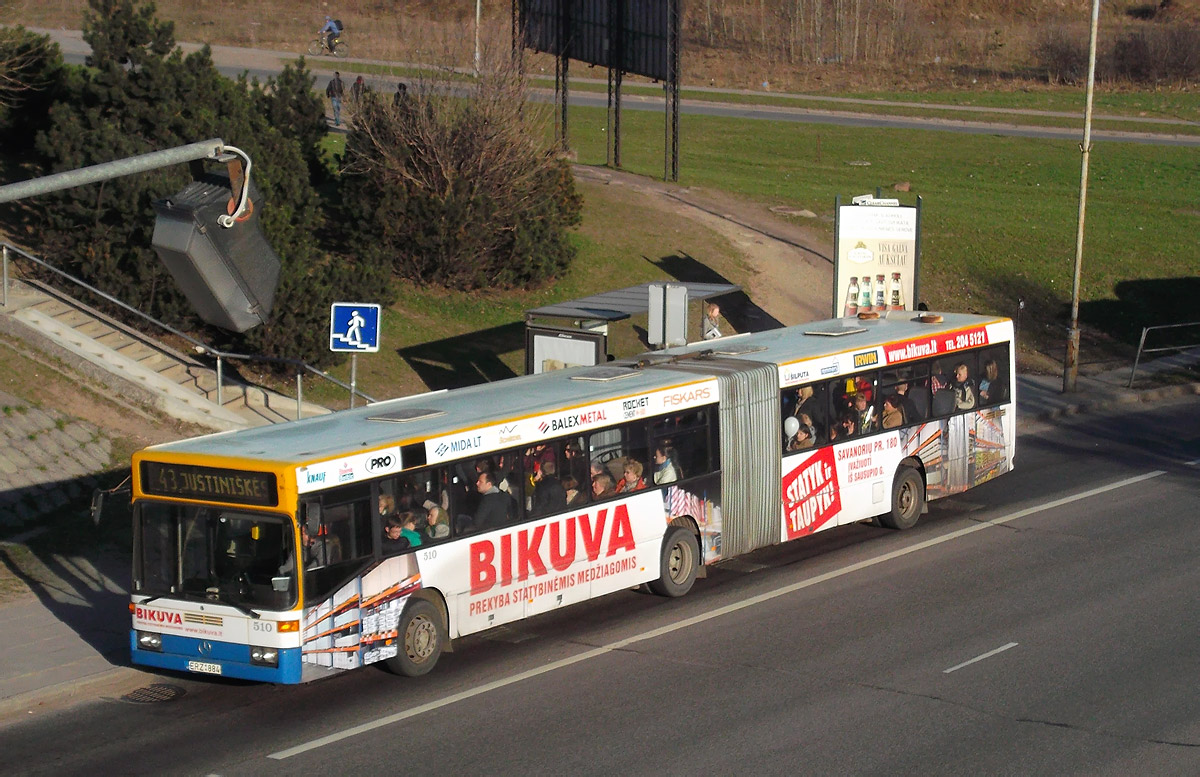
330, 32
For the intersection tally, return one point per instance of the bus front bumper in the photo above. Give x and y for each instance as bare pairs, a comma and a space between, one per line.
216, 659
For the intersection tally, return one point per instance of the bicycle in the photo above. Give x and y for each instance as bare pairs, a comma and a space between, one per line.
319, 46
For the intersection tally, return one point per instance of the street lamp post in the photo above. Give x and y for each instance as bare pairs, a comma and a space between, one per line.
1071, 363
478, 14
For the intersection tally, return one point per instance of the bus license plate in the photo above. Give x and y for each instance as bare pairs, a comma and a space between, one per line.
201, 666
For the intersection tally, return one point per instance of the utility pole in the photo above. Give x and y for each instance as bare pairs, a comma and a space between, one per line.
1071, 363
478, 14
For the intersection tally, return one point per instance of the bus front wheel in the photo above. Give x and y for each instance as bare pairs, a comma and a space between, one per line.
680, 562
908, 499
420, 637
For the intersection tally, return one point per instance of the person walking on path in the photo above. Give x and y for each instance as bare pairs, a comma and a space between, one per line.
357, 90
334, 92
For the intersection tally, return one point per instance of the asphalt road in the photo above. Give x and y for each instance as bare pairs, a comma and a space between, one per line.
1043, 623
74, 52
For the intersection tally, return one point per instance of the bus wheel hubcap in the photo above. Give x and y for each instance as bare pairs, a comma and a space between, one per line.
420, 639
678, 562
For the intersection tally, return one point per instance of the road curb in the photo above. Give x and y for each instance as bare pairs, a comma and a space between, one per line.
1131, 397
118, 680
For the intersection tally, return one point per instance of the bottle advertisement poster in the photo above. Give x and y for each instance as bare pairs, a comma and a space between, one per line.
877, 251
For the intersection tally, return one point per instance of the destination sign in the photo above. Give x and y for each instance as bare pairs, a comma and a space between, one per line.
209, 483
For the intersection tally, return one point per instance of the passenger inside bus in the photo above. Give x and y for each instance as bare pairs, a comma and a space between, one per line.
846, 427
943, 391
494, 507
576, 464
665, 470
437, 523
312, 553
864, 413
914, 402
803, 435
399, 534
549, 496
575, 495
632, 480
992, 390
964, 388
893, 411
603, 486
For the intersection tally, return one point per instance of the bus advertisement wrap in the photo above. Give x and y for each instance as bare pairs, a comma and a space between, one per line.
499, 577
378, 543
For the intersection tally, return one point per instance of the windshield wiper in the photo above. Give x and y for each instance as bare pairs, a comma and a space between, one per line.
214, 595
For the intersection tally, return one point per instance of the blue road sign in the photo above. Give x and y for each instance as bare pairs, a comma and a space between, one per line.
354, 327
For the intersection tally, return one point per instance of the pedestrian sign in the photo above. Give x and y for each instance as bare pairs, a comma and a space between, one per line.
354, 327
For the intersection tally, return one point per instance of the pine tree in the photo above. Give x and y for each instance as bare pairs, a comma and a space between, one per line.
140, 94
31, 69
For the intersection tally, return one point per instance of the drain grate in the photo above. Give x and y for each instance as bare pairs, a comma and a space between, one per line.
154, 693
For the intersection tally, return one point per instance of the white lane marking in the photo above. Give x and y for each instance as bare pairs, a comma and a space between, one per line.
988, 654
1191, 463
696, 619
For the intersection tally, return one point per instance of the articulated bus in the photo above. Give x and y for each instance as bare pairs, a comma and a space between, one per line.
382, 533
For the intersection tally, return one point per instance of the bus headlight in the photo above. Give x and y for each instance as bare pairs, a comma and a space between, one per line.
264, 656
148, 640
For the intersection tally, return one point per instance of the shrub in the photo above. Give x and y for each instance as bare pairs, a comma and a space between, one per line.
461, 193
1156, 53
1061, 56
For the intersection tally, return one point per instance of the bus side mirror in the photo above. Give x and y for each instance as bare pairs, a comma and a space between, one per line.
97, 505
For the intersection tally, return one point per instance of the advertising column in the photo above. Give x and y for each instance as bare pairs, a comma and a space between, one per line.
877, 253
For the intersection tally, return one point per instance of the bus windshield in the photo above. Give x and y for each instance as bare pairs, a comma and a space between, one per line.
239, 558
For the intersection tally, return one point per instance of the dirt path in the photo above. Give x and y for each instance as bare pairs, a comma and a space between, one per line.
792, 263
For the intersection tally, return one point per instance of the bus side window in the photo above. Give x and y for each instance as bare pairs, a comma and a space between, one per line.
993, 376
843, 419
506, 472
686, 442
432, 504
544, 484
964, 381
575, 467
941, 378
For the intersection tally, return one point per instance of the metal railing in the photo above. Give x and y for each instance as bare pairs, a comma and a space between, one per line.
1143, 349
300, 366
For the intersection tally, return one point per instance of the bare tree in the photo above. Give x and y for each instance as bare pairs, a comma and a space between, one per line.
475, 161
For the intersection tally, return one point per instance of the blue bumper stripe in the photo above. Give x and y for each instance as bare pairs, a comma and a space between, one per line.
233, 659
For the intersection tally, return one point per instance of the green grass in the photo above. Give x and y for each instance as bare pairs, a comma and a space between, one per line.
999, 213
1178, 109
999, 217
440, 338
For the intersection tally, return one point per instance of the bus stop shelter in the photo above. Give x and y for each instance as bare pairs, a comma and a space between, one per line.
578, 332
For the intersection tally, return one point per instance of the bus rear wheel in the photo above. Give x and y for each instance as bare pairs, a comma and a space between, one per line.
908, 500
680, 562
420, 636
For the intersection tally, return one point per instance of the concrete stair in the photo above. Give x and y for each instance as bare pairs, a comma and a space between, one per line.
175, 383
